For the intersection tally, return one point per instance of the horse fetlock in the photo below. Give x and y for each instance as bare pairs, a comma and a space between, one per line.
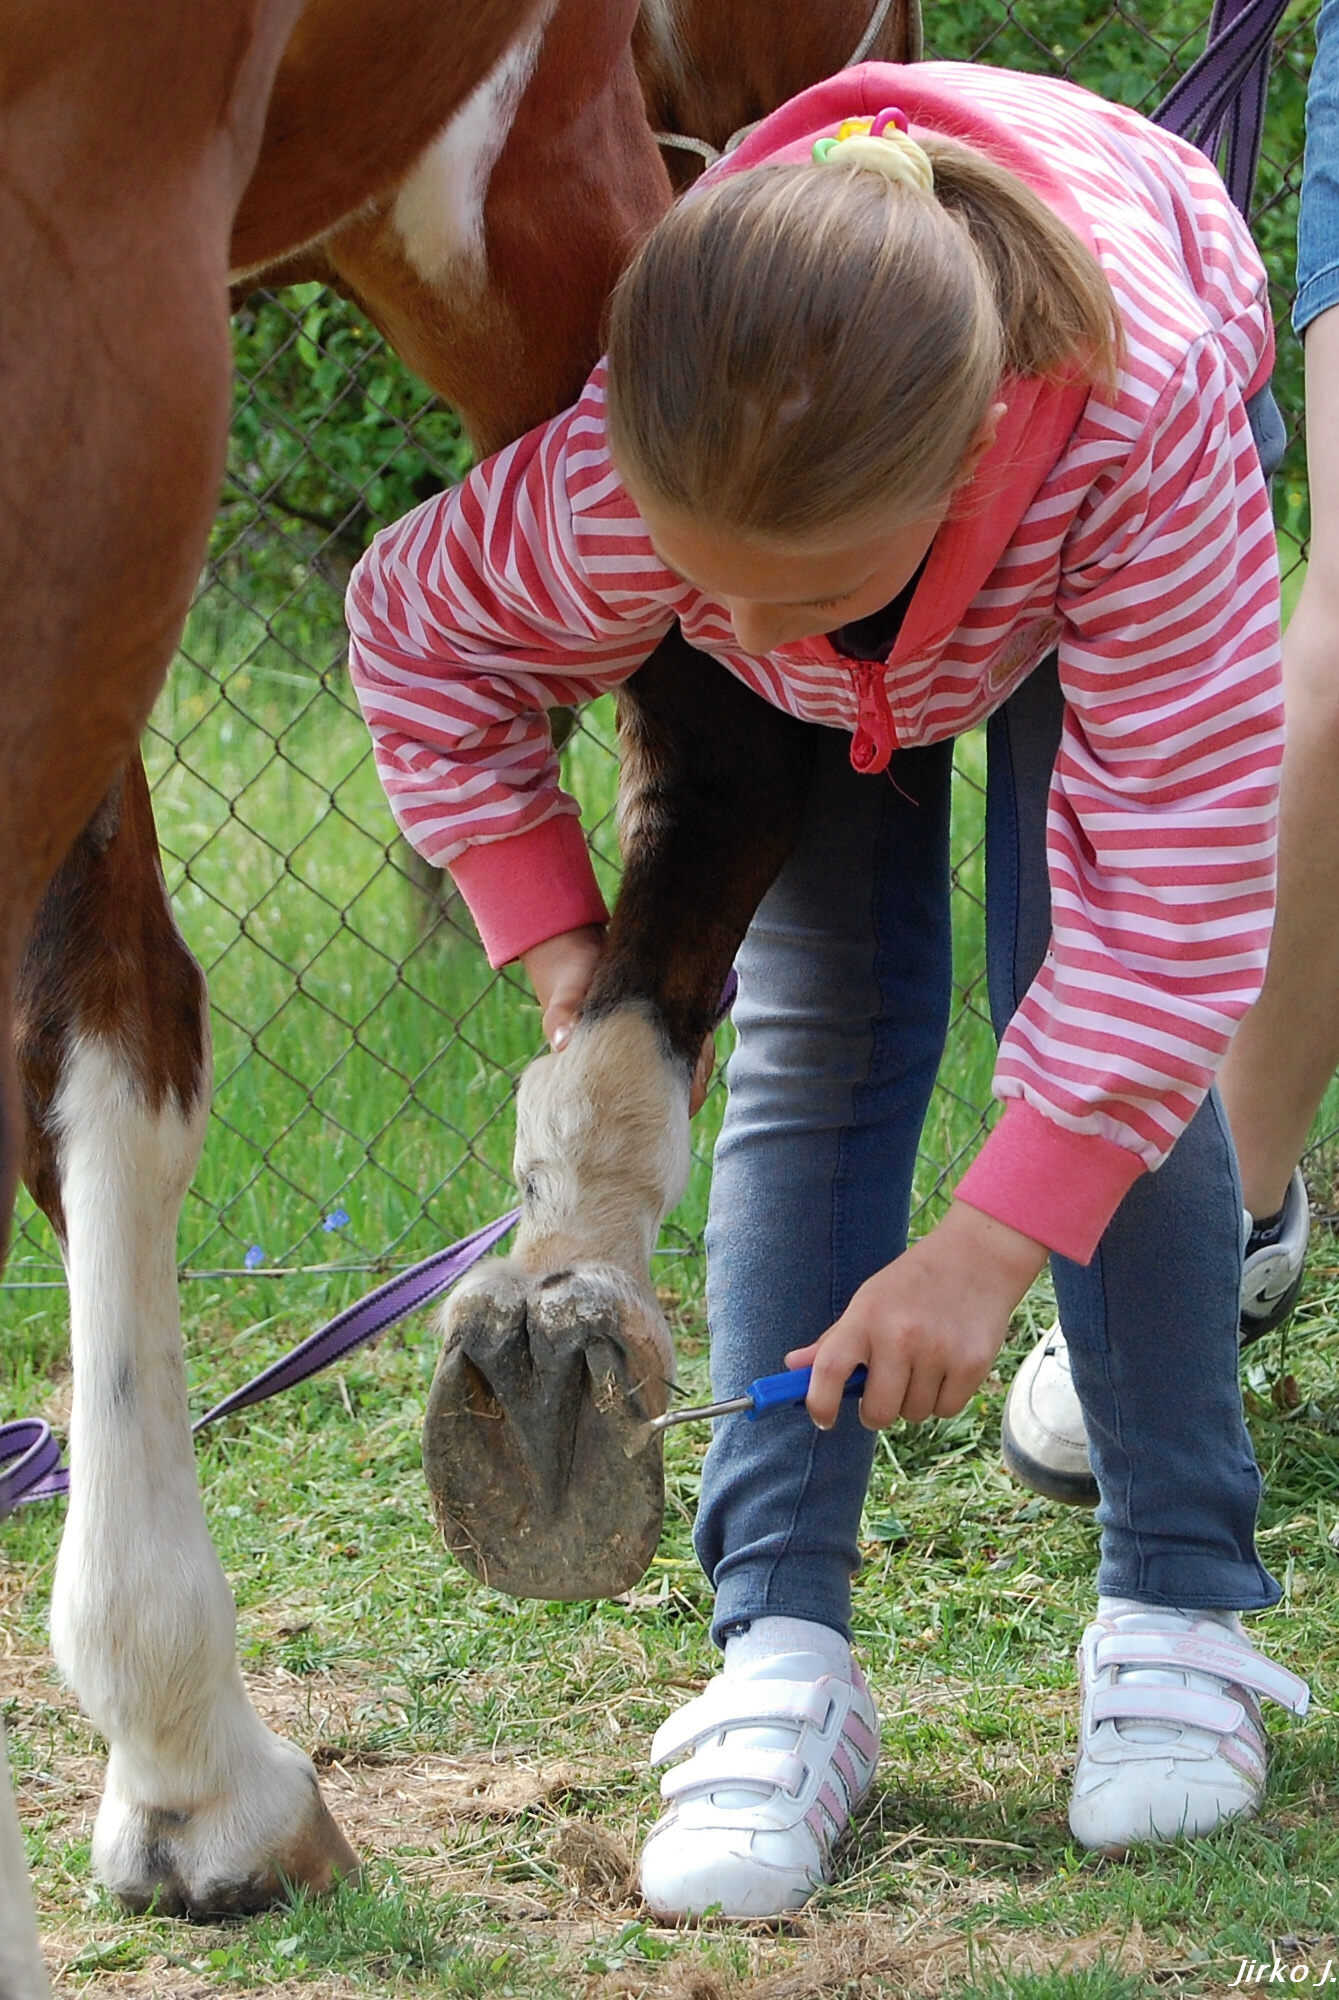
205, 1811
230, 1850
602, 1152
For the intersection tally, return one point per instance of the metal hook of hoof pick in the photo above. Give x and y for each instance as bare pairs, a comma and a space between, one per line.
769, 1392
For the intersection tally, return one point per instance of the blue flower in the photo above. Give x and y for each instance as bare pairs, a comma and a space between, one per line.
255, 1255
337, 1219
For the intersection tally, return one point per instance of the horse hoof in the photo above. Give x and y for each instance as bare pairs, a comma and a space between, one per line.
542, 1386
223, 1861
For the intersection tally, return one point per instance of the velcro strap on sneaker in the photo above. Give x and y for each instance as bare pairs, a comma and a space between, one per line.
723, 1765
739, 1704
1200, 1655
1190, 1707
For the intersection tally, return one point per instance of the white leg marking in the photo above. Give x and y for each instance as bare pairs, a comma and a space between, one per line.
22, 1974
142, 1620
439, 211
602, 1146
602, 1156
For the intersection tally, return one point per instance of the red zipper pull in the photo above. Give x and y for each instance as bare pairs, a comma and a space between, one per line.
875, 737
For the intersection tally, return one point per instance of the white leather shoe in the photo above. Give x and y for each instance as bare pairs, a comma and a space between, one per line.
782, 1752
1170, 1742
1042, 1438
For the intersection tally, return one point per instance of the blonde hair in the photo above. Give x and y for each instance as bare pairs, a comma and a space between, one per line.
801, 345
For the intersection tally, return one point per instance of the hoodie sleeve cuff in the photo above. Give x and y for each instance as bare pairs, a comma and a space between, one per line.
1060, 1188
529, 887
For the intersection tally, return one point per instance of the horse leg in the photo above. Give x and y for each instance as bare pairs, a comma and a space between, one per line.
126, 136
204, 1810
489, 271
555, 1355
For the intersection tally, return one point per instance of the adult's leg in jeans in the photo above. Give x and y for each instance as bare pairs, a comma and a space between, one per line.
1151, 1322
1286, 1050
845, 982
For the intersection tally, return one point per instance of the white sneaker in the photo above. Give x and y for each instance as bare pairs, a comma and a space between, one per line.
1042, 1438
1272, 1273
782, 1752
1170, 1742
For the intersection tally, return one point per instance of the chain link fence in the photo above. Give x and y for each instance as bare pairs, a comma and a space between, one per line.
365, 1053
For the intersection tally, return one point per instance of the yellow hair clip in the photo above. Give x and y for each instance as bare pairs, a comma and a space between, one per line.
882, 144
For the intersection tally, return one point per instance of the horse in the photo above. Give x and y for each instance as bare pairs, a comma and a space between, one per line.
475, 175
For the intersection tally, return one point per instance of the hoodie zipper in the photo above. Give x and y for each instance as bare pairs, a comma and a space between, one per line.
875, 737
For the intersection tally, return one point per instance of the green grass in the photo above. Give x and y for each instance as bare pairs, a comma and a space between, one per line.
480, 1751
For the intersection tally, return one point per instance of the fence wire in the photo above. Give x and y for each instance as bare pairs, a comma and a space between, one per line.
365, 1053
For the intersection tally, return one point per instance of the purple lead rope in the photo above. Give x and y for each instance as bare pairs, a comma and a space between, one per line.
1222, 94
30, 1467
356, 1325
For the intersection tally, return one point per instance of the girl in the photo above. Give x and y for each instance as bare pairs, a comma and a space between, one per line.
929, 404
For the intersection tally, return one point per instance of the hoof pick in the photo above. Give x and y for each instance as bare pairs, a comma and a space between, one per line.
769, 1392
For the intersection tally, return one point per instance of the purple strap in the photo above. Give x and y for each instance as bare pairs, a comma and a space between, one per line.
1221, 97
356, 1325
30, 1467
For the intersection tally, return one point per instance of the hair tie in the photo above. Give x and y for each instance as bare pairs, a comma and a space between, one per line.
882, 143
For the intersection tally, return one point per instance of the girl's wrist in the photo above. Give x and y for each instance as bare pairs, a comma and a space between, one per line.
546, 963
1017, 1259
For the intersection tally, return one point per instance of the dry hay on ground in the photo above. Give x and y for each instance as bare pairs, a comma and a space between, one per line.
859, 1958
445, 1825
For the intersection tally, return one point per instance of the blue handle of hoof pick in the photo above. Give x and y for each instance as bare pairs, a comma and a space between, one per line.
774, 1392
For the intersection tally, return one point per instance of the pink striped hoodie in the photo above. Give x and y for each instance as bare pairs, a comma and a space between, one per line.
1133, 532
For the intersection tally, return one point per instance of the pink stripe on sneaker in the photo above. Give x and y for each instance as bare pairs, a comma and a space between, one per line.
1244, 1758
866, 1743
842, 1762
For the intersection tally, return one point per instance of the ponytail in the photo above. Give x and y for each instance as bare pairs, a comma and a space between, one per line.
1056, 309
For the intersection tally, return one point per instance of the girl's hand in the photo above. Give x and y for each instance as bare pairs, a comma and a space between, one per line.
929, 1326
561, 970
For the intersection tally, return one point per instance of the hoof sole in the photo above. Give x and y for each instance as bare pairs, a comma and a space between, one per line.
539, 1392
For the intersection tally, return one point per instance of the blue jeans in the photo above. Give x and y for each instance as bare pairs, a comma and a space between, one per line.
1318, 223
845, 987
